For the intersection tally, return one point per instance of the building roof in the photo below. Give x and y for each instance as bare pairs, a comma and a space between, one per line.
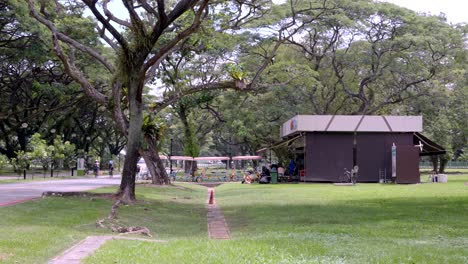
350, 123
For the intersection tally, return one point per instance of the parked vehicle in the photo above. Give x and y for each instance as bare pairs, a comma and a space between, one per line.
142, 170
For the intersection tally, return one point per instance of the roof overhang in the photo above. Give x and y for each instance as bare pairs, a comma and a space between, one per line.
428, 147
285, 142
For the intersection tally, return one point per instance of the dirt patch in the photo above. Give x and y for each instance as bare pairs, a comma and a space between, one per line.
5, 256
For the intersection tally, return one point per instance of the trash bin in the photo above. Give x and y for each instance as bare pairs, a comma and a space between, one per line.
274, 176
442, 178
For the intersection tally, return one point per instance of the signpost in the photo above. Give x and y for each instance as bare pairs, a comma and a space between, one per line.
80, 167
393, 160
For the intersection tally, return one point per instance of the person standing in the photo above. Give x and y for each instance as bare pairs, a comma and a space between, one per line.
96, 168
292, 167
111, 168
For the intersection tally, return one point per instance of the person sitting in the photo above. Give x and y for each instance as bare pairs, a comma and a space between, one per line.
281, 172
247, 179
265, 175
232, 176
264, 180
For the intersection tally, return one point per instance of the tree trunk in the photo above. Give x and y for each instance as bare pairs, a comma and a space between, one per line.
194, 167
127, 185
191, 146
443, 163
435, 163
154, 163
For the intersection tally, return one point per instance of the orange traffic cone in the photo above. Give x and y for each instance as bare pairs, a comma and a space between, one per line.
211, 197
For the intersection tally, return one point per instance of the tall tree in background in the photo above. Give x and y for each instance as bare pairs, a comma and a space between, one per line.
37, 95
367, 56
360, 57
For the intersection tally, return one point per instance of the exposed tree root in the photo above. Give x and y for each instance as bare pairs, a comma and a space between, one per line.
141, 230
115, 206
111, 222
116, 227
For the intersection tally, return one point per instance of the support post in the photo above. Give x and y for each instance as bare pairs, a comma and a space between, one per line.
170, 159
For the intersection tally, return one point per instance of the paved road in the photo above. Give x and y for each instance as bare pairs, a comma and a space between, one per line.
19, 192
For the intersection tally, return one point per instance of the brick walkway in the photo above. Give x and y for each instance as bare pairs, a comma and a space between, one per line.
217, 227
86, 247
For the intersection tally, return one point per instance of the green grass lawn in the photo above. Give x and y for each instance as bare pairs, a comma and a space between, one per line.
283, 223
37, 231
322, 223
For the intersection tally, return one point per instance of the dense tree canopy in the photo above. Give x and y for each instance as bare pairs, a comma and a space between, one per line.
224, 74
39, 97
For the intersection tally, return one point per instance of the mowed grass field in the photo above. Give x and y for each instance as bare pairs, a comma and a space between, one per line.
322, 223
283, 223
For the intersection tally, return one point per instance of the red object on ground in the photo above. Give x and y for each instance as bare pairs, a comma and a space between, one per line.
211, 197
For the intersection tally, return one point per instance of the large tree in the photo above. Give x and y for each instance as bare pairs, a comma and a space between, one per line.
150, 35
153, 30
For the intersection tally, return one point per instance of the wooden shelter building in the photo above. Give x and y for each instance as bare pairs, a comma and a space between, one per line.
385, 148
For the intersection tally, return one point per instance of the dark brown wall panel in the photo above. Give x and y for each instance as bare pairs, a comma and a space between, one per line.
374, 153
371, 155
327, 155
407, 164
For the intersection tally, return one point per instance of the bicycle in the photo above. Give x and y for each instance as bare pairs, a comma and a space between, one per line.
345, 177
349, 176
173, 176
